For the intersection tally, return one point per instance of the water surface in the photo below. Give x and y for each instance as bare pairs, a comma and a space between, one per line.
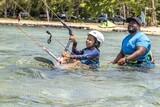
27, 83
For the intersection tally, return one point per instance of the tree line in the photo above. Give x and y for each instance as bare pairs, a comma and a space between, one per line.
81, 9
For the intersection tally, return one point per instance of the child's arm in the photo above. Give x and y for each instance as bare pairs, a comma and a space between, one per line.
74, 46
90, 55
73, 39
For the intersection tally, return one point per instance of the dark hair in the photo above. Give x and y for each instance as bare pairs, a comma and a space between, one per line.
97, 45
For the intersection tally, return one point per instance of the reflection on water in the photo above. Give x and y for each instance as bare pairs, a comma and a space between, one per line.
26, 82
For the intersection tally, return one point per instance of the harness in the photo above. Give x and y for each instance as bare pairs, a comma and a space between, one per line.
147, 59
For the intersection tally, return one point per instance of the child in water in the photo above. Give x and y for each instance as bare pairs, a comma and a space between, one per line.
89, 55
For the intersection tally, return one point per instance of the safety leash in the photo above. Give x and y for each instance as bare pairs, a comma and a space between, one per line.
38, 43
69, 29
47, 50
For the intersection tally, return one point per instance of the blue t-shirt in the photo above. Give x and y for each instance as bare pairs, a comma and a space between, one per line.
87, 56
130, 44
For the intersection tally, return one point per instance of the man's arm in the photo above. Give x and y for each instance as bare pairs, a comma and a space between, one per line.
119, 56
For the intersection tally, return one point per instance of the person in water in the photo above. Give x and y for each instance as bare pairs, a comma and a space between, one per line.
136, 47
89, 55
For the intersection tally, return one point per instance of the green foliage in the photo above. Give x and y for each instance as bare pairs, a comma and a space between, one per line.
80, 8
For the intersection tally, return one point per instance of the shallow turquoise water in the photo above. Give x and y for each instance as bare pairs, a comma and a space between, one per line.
27, 83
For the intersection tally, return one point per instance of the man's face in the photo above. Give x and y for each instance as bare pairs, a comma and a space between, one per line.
133, 27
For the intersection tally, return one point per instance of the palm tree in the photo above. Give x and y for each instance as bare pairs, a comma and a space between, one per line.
153, 18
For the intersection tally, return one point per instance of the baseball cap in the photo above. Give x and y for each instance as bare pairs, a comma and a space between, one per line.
136, 19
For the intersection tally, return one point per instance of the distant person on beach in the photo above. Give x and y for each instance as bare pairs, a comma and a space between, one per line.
89, 55
106, 19
19, 17
136, 47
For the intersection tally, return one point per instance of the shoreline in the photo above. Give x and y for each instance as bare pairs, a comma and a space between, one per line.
151, 30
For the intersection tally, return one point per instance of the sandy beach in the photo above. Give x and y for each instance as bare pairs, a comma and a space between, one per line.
151, 30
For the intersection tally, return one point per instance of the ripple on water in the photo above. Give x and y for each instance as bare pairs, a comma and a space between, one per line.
27, 83
152, 96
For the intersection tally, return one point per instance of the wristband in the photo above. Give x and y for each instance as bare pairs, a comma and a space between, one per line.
126, 60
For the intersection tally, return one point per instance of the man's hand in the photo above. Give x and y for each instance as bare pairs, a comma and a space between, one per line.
122, 61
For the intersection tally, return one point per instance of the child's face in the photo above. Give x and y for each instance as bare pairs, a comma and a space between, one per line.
90, 41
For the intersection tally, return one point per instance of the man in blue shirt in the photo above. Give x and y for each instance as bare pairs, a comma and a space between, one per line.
136, 47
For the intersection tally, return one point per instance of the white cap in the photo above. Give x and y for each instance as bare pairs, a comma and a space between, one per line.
98, 35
